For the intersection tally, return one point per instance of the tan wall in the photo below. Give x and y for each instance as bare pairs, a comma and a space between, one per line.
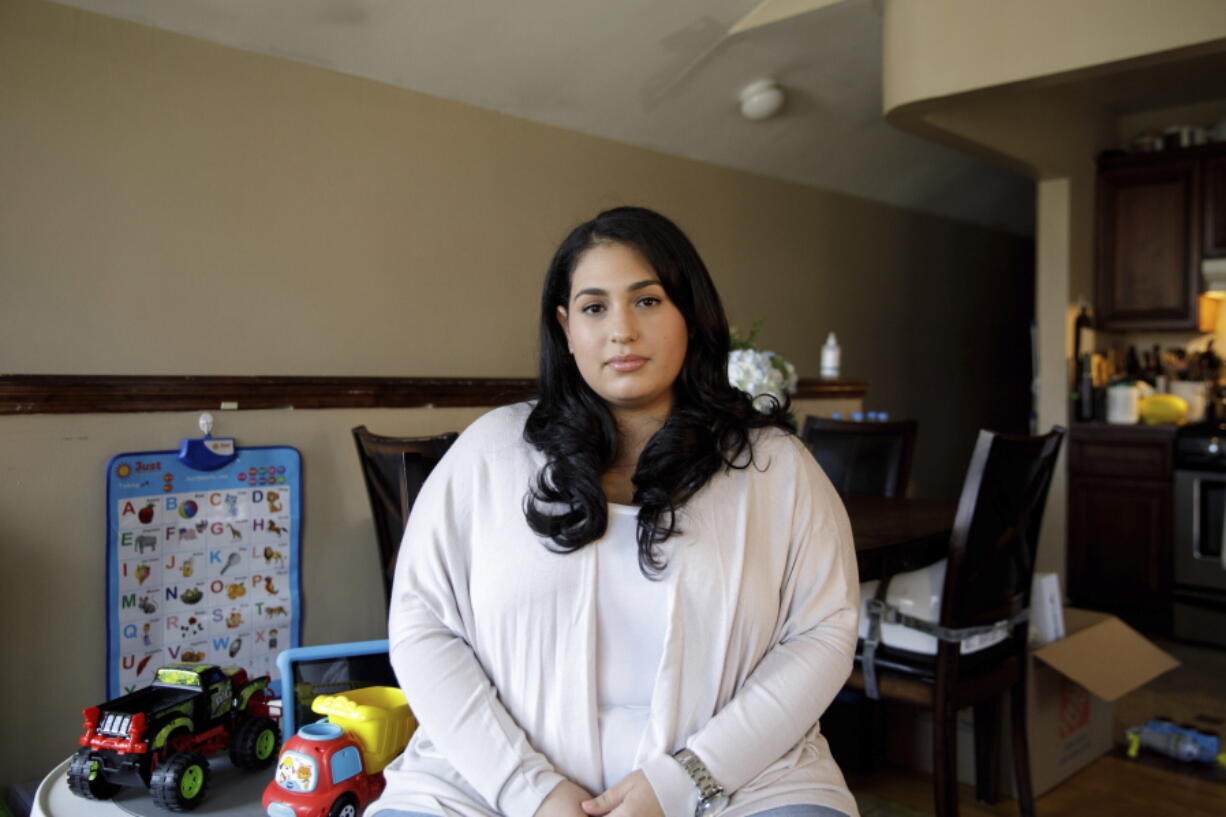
189, 207
173, 206
941, 48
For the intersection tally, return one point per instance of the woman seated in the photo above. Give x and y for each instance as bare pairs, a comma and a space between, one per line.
636, 595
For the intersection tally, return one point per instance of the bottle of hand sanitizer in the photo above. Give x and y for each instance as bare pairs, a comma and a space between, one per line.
830, 357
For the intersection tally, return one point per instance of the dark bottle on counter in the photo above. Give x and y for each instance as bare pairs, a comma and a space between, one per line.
1132, 364
1211, 363
1085, 389
1083, 372
1083, 333
1151, 367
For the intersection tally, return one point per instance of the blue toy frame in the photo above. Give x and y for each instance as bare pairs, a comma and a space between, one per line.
290, 658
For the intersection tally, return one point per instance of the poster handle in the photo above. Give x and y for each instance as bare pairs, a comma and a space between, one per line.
207, 453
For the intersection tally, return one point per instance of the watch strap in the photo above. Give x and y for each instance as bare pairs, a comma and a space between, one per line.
709, 789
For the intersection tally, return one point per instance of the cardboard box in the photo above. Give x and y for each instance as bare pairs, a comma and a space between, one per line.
1070, 687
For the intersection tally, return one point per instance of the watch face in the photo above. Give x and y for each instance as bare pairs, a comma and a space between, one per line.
710, 805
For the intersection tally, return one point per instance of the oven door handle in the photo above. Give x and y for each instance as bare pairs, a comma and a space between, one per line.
1197, 528
1196, 492
1222, 545
1221, 536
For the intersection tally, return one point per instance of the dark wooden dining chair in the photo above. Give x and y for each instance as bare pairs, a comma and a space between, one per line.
863, 458
988, 574
394, 469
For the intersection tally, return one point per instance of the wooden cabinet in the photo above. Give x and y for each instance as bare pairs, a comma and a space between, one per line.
1120, 522
1157, 216
1215, 207
1148, 271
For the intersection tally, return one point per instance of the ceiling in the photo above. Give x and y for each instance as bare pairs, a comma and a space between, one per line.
662, 75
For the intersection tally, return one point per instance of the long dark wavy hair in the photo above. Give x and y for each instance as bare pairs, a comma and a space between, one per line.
708, 429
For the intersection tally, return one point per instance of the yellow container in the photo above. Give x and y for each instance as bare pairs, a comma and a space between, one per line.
378, 718
1163, 409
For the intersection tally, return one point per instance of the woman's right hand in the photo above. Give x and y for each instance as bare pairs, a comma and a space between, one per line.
564, 801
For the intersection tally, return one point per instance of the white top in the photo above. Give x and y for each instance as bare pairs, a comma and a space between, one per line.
631, 613
492, 637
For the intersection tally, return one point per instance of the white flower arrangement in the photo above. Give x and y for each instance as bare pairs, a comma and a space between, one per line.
760, 373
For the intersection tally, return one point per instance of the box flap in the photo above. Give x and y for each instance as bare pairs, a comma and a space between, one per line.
1106, 656
1077, 619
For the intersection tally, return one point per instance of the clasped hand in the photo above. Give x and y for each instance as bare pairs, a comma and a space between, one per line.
633, 796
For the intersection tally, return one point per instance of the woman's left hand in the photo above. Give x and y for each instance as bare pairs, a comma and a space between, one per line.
633, 796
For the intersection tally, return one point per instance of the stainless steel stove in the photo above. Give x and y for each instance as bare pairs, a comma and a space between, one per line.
1200, 528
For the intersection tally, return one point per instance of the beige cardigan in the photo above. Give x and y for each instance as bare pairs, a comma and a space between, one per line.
493, 637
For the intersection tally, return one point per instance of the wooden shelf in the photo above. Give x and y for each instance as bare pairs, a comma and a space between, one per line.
82, 394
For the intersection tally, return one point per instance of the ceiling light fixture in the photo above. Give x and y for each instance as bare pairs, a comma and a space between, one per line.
761, 99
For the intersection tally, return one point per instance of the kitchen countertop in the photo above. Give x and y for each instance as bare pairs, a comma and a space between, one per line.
1134, 429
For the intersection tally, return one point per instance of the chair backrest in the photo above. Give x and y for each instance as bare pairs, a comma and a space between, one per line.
394, 469
863, 458
996, 530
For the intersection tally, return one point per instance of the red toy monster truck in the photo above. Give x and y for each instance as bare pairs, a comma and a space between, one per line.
158, 736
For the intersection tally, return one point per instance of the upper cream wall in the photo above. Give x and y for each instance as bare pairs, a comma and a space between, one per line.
939, 48
172, 206
1040, 132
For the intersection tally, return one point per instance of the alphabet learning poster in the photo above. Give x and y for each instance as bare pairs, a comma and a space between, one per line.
202, 565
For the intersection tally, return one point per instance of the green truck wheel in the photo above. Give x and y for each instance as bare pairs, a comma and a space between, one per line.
180, 783
255, 744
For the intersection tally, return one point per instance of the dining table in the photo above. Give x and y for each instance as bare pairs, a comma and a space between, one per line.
894, 534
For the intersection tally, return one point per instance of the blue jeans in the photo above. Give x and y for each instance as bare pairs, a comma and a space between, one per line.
781, 811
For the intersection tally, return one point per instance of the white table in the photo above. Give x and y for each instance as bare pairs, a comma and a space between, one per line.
232, 793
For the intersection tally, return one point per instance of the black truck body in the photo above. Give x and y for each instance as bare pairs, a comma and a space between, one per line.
164, 731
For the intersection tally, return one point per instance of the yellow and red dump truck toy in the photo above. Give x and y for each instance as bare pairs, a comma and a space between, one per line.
334, 767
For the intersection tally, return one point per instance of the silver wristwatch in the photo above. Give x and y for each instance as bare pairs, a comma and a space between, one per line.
711, 797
